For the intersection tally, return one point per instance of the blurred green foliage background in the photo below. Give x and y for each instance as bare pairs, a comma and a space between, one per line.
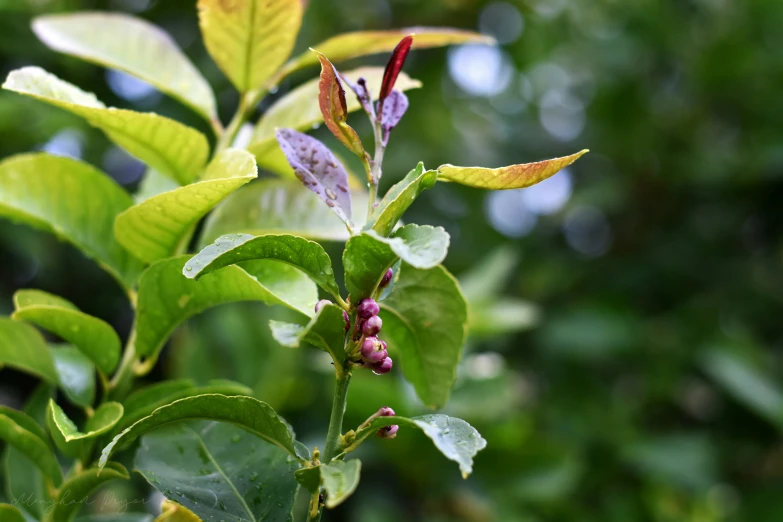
644, 385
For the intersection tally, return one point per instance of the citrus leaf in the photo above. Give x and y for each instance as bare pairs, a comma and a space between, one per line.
23, 348
368, 256
340, 479
280, 206
393, 68
307, 256
74, 201
249, 40
246, 412
78, 487
152, 229
76, 374
300, 110
14, 431
173, 512
95, 338
331, 99
132, 45
455, 438
9, 513
75, 443
362, 43
164, 144
166, 298
152, 184
398, 198
424, 320
512, 177
219, 471
325, 331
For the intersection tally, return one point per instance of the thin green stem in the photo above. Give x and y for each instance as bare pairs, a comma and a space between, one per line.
123, 378
247, 104
376, 170
343, 378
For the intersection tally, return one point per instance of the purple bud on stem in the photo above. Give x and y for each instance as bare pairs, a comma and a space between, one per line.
389, 432
347, 321
372, 325
382, 367
374, 350
368, 308
387, 277
320, 304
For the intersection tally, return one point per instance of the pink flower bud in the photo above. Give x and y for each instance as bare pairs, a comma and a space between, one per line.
320, 304
389, 432
382, 367
372, 325
347, 321
368, 308
374, 350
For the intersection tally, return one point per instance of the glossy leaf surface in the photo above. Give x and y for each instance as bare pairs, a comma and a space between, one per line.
76, 374
325, 331
74, 442
79, 486
23, 348
398, 198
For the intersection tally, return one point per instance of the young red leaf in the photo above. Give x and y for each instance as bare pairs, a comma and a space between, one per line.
318, 169
393, 69
331, 99
393, 110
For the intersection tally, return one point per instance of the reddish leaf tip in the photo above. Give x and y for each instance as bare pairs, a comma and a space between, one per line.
394, 67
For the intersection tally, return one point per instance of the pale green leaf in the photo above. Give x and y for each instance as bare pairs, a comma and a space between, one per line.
219, 472
23, 348
152, 184
280, 206
76, 374
74, 201
78, 487
67, 436
164, 144
153, 229
363, 43
307, 256
167, 298
325, 331
340, 479
398, 198
424, 321
368, 256
251, 39
246, 412
512, 177
24, 434
299, 110
94, 337
455, 438
132, 45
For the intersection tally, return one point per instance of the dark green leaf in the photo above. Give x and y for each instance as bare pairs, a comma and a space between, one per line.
399, 197
14, 431
251, 414
79, 486
23, 348
166, 298
9, 513
76, 373
307, 256
73, 442
424, 321
94, 337
72, 200
309, 478
340, 479
219, 472
325, 331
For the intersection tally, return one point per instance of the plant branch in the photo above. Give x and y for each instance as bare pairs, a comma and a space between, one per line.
376, 165
343, 378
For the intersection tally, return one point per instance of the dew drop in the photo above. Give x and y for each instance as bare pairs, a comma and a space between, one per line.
235, 439
189, 268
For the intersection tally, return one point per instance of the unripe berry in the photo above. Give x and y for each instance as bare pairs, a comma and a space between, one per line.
372, 325
387, 277
374, 350
347, 321
382, 367
368, 308
320, 304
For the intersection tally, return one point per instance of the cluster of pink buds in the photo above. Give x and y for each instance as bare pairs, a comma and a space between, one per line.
374, 351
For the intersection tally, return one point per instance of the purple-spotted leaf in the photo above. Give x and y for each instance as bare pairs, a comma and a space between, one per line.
393, 110
331, 99
393, 68
319, 170
512, 177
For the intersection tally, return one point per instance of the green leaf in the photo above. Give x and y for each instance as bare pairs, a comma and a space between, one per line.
424, 320
455, 438
23, 348
368, 256
95, 338
9, 513
125, 517
246, 412
75, 443
309, 478
166, 298
512, 177
325, 331
143, 402
24, 434
74, 201
153, 229
132, 45
79, 486
164, 144
173, 512
250, 40
280, 206
300, 110
362, 43
745, 383
219, 471
76, 374
307, 256
399, 197
152, 184
340, 479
